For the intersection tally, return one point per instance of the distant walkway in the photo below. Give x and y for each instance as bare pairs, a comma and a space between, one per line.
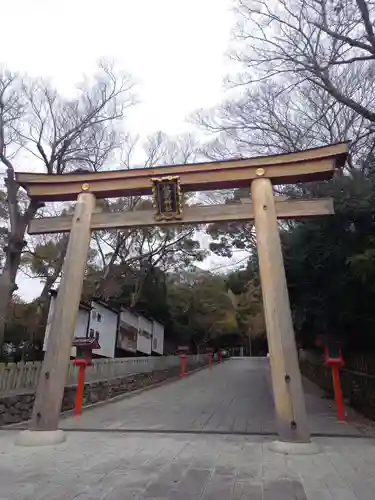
235, 396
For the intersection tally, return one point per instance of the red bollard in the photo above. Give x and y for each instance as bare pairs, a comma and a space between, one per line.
84, 347
220, 356
338, 393
80, 390
183, 365
183, 350
210, 360
334, 359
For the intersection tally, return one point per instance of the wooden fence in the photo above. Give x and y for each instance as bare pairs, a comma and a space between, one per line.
358, 388
363, 363
23, 377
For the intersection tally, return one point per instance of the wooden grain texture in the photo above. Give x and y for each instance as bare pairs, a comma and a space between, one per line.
286, 209
288, 395
55, 367
308, 165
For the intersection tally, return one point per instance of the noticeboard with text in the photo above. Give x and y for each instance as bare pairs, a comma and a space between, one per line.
167, 198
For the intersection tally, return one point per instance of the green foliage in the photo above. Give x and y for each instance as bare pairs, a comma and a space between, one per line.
194, 307
244, 284
41, 259
330, 264
232, 236
146, 292
202, 311
23, 337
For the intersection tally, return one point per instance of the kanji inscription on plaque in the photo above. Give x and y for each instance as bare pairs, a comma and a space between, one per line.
167, 198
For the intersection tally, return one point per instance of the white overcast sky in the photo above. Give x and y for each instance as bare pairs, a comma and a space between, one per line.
175, 50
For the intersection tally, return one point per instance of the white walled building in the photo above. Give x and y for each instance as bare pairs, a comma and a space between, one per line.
144, 338
83, 317
137, 333
128, 332
103, 327
118, 334
157, 337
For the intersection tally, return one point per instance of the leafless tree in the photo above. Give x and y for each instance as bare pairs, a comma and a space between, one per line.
328, 44
62, 134
117, 250
266, 120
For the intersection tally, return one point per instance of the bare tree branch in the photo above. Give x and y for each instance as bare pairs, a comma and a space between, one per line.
312, 41
62, 134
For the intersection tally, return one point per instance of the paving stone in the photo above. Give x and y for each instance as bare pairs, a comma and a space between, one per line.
107, 466
247, 491
225, 470
220, 486
364, 490
248, 472
192, 485
317, 494
284, 490
342, 494
102, 465
122, 494
165, 482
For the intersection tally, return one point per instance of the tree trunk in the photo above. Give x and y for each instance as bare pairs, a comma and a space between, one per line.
16, 243
43, 307
7, 287
43, 300
249, 339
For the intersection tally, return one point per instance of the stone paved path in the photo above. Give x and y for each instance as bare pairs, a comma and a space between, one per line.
114, 466
103, 465
233, 397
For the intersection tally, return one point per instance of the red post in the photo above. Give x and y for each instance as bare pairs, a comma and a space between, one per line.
334, 359
338, 393
183, 365
80, 389
220, 356
210, 360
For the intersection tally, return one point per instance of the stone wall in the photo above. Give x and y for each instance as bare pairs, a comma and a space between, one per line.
18, 407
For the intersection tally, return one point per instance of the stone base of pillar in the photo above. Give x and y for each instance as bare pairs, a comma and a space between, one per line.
294, 448
40, 438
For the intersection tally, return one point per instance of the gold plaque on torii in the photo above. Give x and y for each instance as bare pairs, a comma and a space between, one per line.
167, 198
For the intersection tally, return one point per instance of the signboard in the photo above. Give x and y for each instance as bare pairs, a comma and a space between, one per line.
167, 198
85, 346
183, 349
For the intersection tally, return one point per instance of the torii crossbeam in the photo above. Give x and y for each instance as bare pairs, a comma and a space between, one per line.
166, 184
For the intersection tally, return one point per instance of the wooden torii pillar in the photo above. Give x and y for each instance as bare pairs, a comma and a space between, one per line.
258, 173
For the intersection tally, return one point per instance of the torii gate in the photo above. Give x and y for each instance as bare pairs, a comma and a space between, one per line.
165, 183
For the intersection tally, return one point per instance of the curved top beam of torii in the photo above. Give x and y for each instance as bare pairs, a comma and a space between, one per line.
302, 166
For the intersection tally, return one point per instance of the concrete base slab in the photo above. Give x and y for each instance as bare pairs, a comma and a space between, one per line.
40, 438
294, 448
